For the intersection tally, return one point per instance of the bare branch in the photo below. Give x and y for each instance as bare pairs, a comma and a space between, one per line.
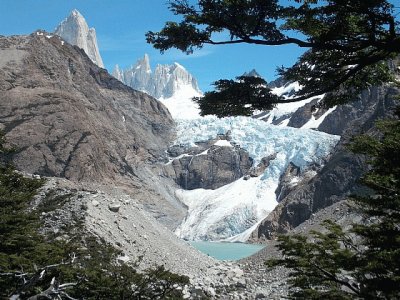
334, 278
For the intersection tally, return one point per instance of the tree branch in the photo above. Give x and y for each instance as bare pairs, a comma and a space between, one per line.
55, 290
31, 279
248, 40
333, 278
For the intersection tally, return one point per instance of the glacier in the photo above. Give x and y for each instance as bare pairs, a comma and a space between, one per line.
230, 212
233, 211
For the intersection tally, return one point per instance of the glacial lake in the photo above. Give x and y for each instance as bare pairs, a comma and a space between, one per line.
226, 251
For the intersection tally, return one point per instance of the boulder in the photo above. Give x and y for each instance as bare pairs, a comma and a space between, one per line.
114, 207
264, 164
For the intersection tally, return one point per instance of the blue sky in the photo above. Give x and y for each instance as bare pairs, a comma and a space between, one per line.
120, 26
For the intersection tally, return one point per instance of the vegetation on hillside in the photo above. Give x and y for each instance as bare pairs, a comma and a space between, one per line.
35, 266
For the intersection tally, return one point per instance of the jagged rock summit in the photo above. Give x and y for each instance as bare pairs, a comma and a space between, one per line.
172, 84
252, 73
76, 31
163, 83
138, 76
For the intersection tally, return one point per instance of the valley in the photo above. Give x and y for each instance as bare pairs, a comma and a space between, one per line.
146, 174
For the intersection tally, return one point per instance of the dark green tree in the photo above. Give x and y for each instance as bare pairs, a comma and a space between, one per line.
240, 97
365, 261
348, 42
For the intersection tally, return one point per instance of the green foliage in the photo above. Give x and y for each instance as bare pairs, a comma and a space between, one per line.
31, 264
100, 277
364, 262
52, 201
348, 41
237, 98
21, 247
319, 266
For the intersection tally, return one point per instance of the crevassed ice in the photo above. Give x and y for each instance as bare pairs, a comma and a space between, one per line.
233, 209
300, 146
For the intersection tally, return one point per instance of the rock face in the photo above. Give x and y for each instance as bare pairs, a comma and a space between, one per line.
138, 76
69, 118
287, 181
75, 30
338, 178
359, 116
304, 114
163, 83
260, 168
333, 183
208, 166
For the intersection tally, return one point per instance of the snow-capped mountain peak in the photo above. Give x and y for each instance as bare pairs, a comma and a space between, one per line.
117, 73
76, 31
76, 13
171, 84
144, 63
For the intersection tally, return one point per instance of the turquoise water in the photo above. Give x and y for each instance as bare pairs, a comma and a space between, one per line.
226, 251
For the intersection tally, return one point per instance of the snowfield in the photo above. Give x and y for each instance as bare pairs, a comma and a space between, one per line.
232, 211
180, 105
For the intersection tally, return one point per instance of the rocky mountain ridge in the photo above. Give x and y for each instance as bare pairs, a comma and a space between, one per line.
72, 91
164, 82
337, 179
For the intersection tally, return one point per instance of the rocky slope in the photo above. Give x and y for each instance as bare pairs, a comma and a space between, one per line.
75, 30
58, 109
69, 118
337, 179
272, 283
